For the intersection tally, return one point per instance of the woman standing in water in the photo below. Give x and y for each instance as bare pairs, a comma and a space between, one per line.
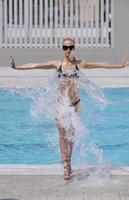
67, 74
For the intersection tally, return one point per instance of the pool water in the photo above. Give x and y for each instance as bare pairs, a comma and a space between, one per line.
25, 139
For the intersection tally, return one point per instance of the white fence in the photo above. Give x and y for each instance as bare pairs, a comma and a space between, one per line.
44, 23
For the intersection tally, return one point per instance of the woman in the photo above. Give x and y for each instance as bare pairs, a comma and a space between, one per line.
67, 74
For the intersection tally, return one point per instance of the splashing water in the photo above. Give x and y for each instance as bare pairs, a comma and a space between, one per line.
93, 91
44, 103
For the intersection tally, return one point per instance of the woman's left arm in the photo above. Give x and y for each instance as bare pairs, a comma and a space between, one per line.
92, 65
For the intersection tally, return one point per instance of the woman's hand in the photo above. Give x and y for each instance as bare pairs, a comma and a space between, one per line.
125, 61
13, 65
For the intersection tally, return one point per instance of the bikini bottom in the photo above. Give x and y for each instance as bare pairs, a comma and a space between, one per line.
75, 103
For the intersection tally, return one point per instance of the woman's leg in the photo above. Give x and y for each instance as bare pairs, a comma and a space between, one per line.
66, 147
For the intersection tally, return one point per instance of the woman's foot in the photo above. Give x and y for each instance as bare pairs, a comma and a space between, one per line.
67, 169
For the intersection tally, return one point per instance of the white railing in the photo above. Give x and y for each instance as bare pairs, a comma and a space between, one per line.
44, 23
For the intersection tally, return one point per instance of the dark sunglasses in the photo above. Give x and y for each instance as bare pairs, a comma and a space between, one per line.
72, 47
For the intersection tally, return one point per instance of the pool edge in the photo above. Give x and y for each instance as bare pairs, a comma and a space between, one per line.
55, 169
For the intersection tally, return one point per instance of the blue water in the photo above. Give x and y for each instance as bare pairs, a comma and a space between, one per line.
31, 140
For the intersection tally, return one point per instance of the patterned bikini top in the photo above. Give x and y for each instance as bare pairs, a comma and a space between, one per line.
63, 75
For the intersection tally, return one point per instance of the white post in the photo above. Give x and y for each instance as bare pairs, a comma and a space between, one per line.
25, 23
97, 24
15, 24
41, 24
66, 18
51, 24
46, 23
30, 24
83, 25
61, 21
10, 23
102, 23
87, 23
76, 25
82, 22
35, 24
92, 25
56, 25
112, 23
5, 24
107, 23
20, 24
1, 24
71, 19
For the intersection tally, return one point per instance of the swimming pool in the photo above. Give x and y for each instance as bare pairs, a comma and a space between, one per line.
25, 139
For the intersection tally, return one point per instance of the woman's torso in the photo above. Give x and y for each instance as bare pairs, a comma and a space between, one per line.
68, 76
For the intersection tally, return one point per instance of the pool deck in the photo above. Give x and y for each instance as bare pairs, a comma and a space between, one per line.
26, 182
23, 182
103, 77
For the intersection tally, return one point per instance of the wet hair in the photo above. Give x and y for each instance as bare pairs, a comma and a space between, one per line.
65, 39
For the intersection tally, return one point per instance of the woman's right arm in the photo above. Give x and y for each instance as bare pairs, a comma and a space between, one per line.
47, 65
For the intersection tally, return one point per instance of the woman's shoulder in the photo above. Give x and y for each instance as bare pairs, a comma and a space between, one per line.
56, 63
81, 63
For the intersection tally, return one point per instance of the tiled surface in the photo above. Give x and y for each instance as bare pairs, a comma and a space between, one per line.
43, 186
